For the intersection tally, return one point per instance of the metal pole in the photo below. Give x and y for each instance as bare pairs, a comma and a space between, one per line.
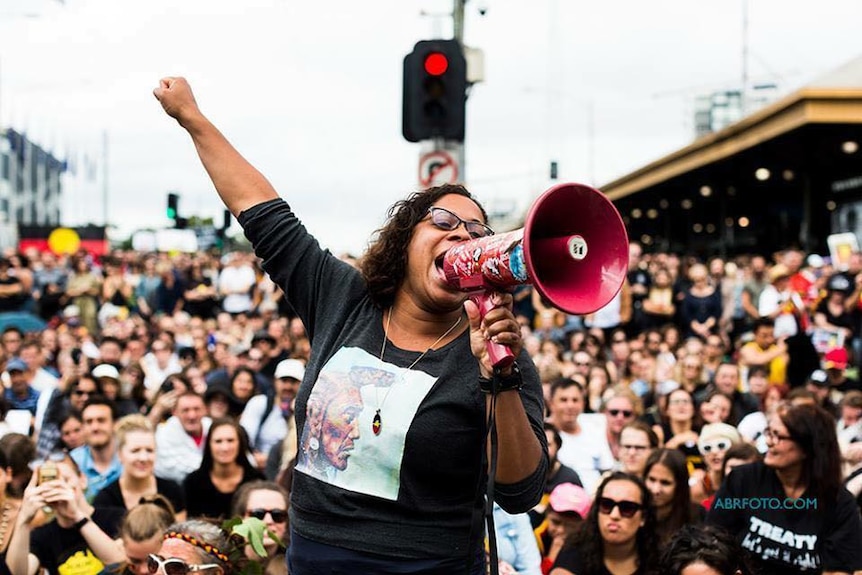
744, 91
458, 34
105, 179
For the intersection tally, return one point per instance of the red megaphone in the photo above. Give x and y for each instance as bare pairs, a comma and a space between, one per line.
573, 248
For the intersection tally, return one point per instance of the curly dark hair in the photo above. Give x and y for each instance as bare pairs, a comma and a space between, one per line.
384, 265
705, 544
588, 539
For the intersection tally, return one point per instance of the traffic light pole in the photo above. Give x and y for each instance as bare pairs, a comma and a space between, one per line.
458, 33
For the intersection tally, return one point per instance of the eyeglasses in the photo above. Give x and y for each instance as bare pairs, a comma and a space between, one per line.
278, 515
627, 508
720, 445
83, 392
623, 412
174, 566
446, 220
637, 448
772, 435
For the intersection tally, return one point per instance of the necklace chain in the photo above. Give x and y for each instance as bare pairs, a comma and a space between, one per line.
378, 421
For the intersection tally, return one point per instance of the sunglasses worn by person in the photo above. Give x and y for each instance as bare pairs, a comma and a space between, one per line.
618, 412
627, 508
446, 220
278, 515
174, 566
720, 445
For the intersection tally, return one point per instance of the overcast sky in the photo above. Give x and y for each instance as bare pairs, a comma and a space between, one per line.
310, 92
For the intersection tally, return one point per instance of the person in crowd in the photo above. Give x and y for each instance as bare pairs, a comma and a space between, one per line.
557, 474
802, 465
9, 507
517, 548
224, 467
78, 390
20, 452
727, 381
849, 426
568, 507
268, 502
830, 313
715, 439
71, 431
109, 377
700, 309
242, 388
20, 394
765, 351
165, 399
158, 364
620, 407
12, 292
690, 373
835, 363
142, 531
97, 458
637, 440
198, 545
780, 303
658, 306
736, 455
82, 290
583, 448
618, 536
136, 449
818, 384
49, 285
666, 476
180, 440
716, 407
397, 303
266, 418
81, 537
753, 426
699, 549
680, 427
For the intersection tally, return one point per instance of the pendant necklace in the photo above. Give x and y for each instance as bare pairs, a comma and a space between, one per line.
377, 422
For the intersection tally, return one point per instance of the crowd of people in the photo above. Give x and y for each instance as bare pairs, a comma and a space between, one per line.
710, 415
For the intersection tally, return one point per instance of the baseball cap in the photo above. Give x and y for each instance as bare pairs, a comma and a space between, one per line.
106, 370
819, 378
16, 364
836, 358
570, 497
290, 368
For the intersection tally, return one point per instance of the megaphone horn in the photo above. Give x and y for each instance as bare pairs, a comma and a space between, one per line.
573, 249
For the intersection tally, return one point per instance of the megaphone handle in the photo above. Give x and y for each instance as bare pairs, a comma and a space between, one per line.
501, 356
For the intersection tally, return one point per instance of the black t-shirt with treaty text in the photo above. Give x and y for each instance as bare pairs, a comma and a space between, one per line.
783, 535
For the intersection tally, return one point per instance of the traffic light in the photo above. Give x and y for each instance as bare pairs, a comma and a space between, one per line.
173, 206
435, 91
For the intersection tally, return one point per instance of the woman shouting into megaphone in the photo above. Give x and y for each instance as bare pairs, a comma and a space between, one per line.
394, 411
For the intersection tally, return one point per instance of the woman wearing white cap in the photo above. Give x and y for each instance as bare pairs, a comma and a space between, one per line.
266, 417
715, 439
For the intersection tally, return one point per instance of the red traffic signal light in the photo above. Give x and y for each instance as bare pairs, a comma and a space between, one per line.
435, 91
436, 63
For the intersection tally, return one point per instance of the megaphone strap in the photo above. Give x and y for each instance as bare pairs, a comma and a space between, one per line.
500, 383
